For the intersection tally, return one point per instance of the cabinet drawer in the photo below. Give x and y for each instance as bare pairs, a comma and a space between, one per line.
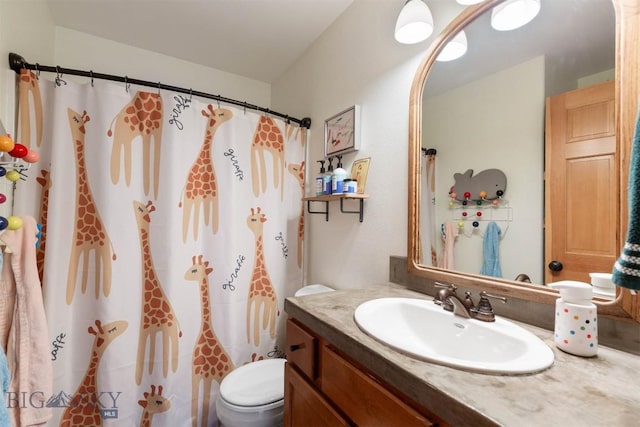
365, 400
301, 349
304, 405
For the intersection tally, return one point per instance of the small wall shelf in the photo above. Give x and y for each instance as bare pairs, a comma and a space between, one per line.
342, 197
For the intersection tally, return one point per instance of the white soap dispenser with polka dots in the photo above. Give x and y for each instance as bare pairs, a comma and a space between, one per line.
576, 319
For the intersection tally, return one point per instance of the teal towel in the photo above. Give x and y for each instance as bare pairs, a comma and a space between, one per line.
626, 271
5, 380
491, 261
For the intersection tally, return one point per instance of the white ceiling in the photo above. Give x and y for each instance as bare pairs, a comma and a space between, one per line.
258, 39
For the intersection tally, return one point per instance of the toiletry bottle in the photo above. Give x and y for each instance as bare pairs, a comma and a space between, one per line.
320, 179
328, 176
576, 319
338, 177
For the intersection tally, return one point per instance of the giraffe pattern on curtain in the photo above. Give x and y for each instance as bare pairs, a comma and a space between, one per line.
166, 191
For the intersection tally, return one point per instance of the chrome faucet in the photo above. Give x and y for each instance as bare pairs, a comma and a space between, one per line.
450, 301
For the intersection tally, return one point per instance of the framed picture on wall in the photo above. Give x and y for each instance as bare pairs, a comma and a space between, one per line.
359, 172
341, 133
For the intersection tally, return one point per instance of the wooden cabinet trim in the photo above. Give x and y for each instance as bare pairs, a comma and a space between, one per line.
304, 405
367, 399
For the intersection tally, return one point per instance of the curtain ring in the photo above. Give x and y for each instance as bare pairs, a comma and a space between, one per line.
126, 84
218, 98
266, 113
286, 120
59, 80
190, 94
37, 71
158, 88
91, 75
244, 107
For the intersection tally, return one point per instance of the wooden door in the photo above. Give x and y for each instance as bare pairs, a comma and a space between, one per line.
581, 184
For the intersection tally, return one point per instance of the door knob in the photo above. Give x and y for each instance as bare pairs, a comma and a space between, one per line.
555, 265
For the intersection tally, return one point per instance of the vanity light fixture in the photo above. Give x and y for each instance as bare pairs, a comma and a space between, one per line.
513, 14
415, 22
456, 47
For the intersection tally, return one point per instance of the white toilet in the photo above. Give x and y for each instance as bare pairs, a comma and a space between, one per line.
312, 289
253, 394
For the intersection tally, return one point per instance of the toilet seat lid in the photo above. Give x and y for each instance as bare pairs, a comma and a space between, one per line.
254, 384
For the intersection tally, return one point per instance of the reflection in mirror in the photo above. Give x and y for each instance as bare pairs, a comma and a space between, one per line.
486, 110
627, 57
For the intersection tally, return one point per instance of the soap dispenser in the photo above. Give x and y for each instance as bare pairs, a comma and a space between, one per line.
576, 319
337, 179
320, 186
328, 177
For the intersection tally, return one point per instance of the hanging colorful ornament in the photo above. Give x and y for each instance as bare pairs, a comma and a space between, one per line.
6, 143
13, 175
14, 222
19, 151
31, 156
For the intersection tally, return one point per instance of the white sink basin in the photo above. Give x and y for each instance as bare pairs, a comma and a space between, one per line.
424, 330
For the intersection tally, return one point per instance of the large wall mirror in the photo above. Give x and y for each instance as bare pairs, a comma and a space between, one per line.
490, 109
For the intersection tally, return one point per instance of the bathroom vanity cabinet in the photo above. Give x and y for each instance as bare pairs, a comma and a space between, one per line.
337, 375
324, 387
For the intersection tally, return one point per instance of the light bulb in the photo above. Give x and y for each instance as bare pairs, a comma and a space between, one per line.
454, 49
415, 22
513, 14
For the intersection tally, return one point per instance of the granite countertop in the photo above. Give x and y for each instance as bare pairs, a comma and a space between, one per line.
575, 391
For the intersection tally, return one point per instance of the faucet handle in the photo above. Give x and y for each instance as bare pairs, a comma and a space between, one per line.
484, 310
443, 294
468, 301
451, 287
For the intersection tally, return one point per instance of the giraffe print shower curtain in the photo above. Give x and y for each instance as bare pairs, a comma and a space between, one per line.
171, 234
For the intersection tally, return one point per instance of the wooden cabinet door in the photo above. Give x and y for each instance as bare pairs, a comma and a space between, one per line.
581, 184
303, 404
366, 402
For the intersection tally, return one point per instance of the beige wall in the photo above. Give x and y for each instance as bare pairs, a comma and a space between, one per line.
357, 61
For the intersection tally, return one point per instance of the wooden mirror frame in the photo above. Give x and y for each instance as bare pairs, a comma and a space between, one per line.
626, 306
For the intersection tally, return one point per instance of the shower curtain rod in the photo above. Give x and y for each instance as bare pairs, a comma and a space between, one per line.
17, 62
